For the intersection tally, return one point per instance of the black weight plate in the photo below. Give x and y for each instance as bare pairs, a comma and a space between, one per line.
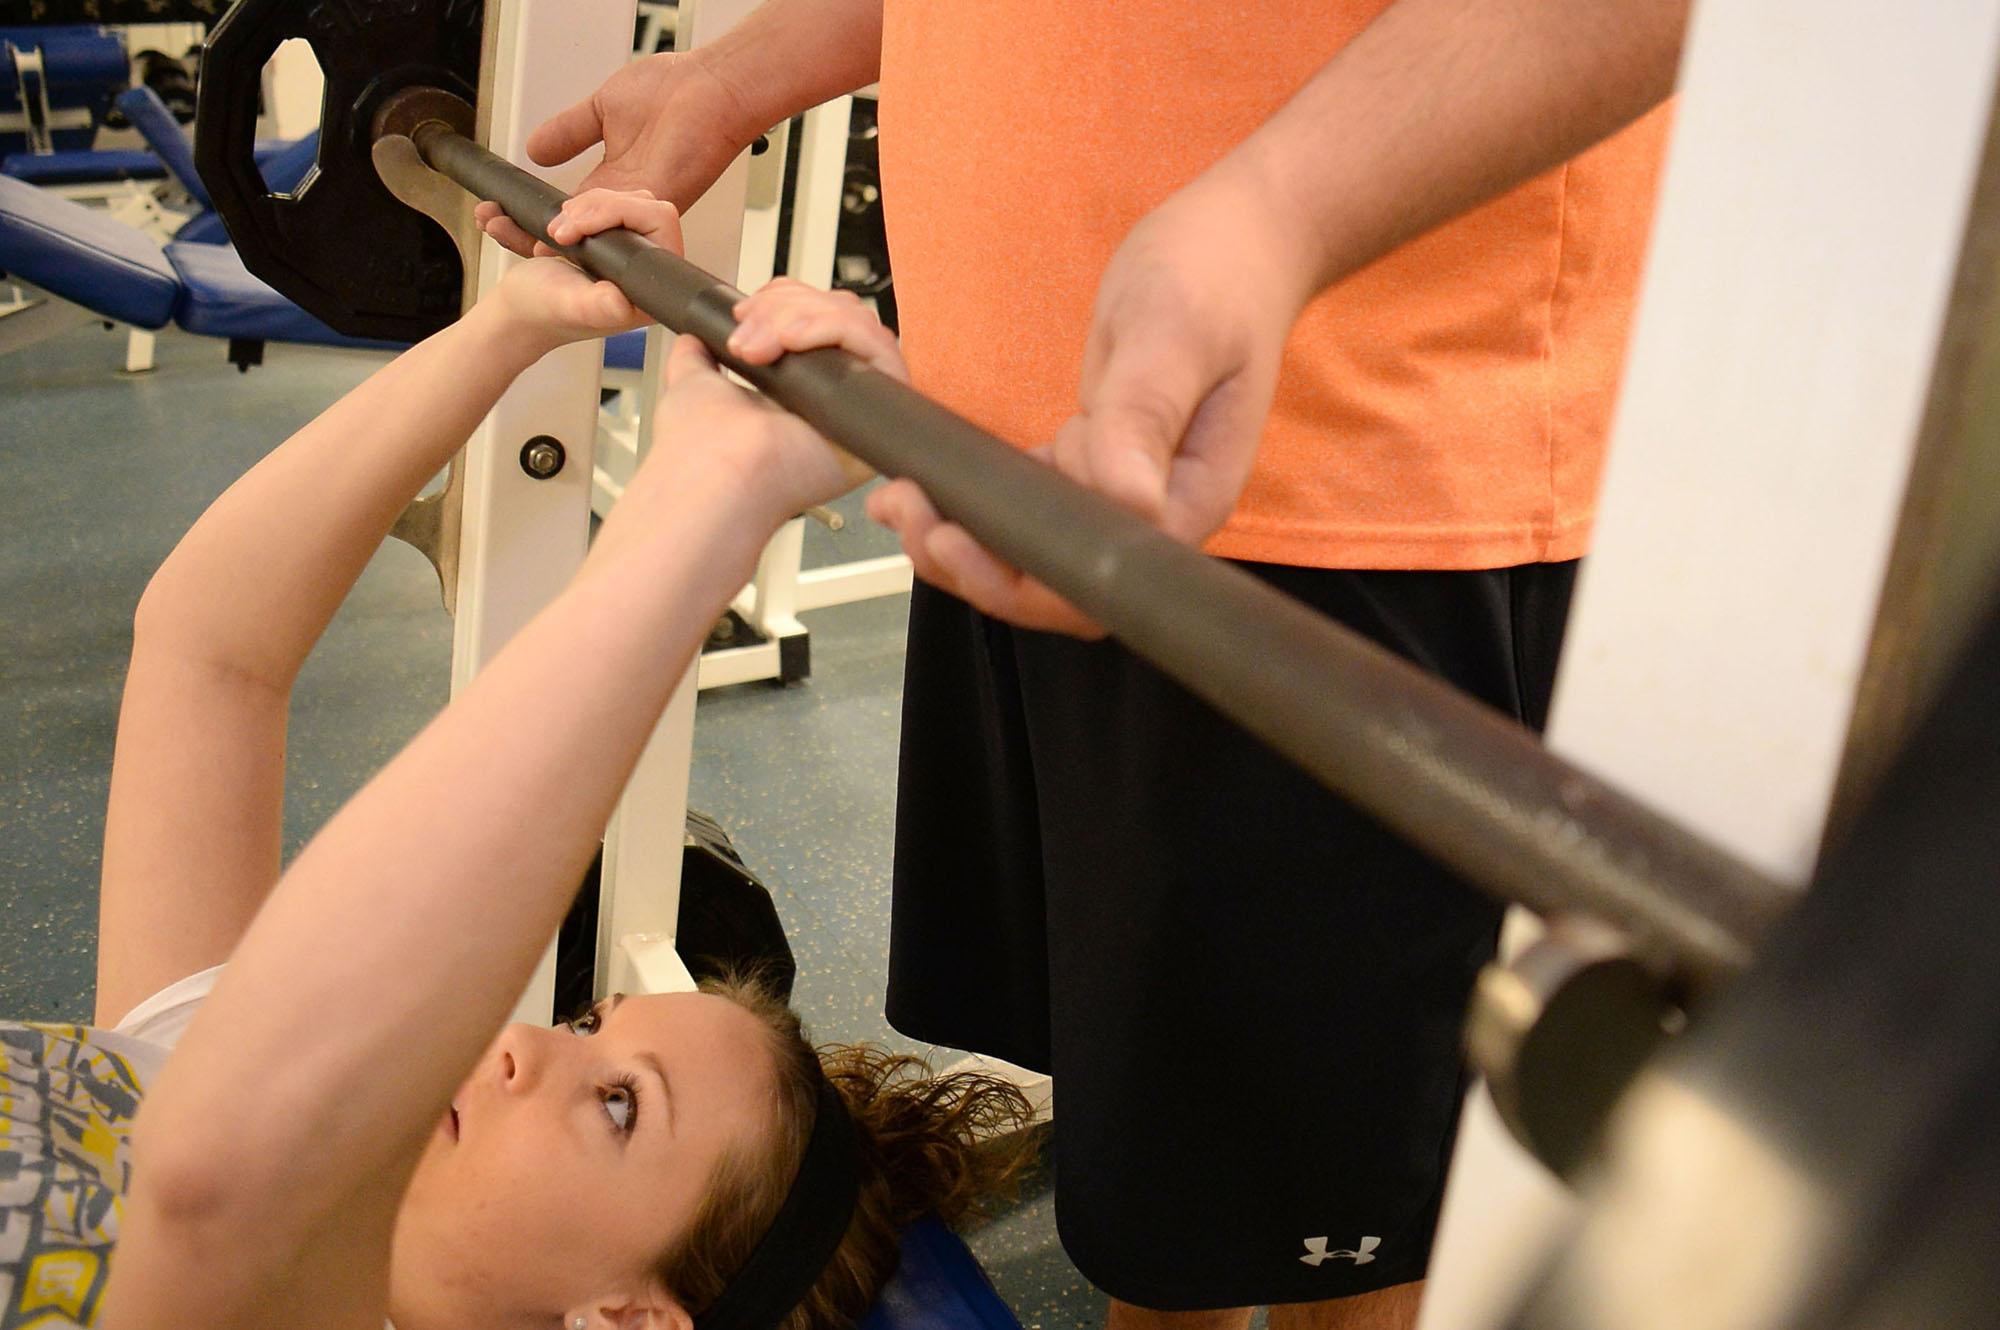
341, 246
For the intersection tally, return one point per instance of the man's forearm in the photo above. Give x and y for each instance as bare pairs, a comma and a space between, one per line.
1442, 104
790, 55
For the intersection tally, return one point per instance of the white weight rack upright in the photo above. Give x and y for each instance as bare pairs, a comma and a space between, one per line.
781, 589
521, 539
1774, 410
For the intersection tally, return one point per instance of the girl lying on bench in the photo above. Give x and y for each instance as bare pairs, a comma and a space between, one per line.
346, 1133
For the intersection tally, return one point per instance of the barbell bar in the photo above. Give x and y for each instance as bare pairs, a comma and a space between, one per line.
1472, 787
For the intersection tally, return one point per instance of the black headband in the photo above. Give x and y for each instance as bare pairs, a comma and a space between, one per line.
788, 1260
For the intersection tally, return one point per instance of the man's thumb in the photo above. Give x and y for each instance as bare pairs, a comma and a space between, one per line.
1134, 418
566, 134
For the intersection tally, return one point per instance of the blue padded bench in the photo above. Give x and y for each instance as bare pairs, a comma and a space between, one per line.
939, 1286
282, 164
220, 298
85, 256
115, 271
121, 273
197, 281
167, 153
156, 124
94, 165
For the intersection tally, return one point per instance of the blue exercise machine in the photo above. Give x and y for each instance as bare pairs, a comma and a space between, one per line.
56, 86
92, 264
284, 164
84, 264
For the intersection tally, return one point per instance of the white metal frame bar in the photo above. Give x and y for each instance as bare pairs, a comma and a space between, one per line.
521, 539
639, 900
844, 583
780, 591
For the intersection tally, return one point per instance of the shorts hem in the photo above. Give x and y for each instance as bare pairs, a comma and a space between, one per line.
938, 1037
1221, 1295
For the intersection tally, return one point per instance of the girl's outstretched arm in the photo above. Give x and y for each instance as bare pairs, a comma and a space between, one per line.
192, 831
284, 1130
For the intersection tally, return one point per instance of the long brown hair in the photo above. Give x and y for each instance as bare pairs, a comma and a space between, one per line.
929, 1145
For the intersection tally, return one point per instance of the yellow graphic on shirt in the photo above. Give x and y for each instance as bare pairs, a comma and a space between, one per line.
66, 1110
61, 1279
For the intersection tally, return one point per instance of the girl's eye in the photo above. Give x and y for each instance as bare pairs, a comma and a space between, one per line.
621, 1105
587, 1023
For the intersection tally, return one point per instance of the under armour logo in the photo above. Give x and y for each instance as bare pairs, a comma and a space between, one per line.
1316, 1252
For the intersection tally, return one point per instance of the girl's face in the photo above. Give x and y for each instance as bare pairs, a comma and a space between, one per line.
573, 1157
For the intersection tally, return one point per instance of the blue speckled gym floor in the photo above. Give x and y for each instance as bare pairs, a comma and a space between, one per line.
101, 472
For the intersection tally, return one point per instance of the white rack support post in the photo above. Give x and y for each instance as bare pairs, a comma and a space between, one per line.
521, 539
639, 899
1814, 208
821, 181
780, 591
816, 212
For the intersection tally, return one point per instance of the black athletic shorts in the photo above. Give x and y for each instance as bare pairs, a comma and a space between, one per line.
1249, 994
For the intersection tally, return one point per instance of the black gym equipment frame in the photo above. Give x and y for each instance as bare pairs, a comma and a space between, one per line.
1470, 786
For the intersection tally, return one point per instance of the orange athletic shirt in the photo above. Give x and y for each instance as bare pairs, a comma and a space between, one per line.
1446, 407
